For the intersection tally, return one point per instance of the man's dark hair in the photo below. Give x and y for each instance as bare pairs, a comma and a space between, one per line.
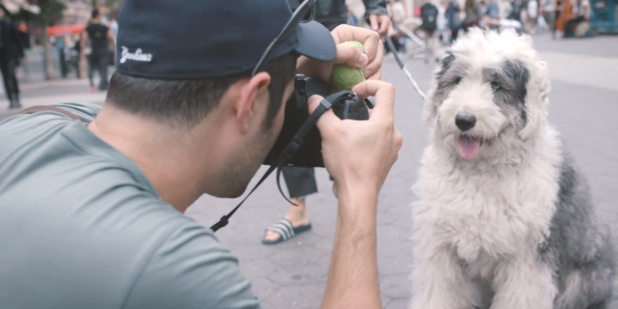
95, 13
184, 103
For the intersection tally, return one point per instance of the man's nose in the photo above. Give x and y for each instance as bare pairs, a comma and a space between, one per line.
465, 121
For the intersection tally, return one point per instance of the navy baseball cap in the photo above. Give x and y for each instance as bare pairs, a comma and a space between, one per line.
173, 39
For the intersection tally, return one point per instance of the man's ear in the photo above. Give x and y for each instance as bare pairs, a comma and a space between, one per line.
248, 105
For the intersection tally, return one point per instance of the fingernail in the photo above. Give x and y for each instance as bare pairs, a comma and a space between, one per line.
363, 60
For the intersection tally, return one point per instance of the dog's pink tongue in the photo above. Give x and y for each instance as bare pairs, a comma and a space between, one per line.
468, 147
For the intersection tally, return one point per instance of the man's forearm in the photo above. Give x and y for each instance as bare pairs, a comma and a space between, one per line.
353, 276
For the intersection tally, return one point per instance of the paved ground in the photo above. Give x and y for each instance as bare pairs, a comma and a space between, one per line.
293, 274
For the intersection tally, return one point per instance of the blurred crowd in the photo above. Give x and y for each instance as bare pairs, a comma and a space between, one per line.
439, 23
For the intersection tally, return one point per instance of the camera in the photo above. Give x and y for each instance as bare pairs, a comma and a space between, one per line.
347, 106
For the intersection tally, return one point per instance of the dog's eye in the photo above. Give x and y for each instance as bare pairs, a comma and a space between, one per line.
495, 86
458, 80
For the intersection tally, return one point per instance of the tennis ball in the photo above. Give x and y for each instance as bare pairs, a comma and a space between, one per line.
345, 77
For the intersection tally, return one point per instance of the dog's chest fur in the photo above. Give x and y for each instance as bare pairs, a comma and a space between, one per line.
485, 217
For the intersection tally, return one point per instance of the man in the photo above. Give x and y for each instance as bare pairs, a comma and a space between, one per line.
91, 214
98, 59
11, 54
301, 181
429, 25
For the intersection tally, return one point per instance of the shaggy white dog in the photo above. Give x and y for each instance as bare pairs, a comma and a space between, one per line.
503, 219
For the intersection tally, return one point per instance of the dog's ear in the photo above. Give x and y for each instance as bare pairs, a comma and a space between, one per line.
537, 99
430, 112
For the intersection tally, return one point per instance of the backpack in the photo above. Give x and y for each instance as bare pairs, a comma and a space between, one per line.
429, 15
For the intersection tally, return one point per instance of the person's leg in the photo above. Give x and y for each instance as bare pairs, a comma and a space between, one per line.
63, 63
454, 34
103, 67
13, 82
300, 182
435, 48
556, 17
4, 68
92, 64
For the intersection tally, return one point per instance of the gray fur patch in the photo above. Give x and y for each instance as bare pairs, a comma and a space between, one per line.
447, 78
445, 64
513, 77
578, 248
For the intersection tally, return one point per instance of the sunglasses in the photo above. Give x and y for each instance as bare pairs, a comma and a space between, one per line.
304, 13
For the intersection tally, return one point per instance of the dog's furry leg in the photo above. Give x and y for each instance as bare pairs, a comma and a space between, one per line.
438, 282
524, 282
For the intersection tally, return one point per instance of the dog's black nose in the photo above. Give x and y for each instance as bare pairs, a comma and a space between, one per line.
465, 122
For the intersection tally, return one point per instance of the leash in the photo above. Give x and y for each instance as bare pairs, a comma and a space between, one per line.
402, 66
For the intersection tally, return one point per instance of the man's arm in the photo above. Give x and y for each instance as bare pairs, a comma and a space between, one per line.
353, 274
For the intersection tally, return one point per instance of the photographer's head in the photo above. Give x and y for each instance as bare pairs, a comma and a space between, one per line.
195, 89
244, 113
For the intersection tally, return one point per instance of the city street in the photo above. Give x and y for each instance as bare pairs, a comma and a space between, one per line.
584, 108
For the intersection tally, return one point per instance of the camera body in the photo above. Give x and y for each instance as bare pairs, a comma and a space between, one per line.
309, 154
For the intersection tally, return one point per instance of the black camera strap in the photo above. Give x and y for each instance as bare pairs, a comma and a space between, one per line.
287, 153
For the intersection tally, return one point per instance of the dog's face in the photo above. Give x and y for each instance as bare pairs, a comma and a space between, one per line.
489, 90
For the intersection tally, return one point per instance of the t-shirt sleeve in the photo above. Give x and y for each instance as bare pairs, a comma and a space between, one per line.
192, 270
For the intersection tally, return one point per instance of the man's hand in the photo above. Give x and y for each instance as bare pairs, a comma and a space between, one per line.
381, 23
359, 154
370, 59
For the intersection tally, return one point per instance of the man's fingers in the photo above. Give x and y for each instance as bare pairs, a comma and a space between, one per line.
373, 20
328, 119
351, 56
384, 94
374, 69
370, 39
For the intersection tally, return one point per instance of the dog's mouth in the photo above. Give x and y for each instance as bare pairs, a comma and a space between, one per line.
468, 146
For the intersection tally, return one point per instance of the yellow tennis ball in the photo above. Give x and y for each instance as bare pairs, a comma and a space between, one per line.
345, 77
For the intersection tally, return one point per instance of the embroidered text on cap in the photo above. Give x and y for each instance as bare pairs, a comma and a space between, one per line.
137, 56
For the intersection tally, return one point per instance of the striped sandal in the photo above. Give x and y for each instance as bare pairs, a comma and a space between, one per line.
286, 231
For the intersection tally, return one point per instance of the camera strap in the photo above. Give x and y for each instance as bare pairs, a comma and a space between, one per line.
287, 153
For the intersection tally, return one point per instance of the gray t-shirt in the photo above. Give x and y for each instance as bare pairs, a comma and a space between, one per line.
82, 227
